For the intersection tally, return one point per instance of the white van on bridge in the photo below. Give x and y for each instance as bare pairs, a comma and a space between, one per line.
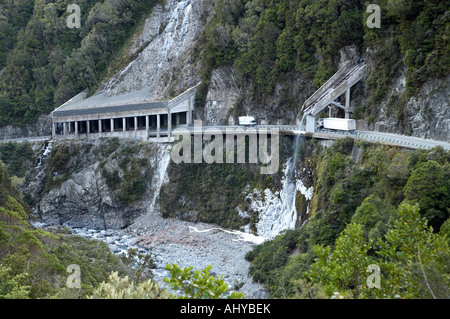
247, 120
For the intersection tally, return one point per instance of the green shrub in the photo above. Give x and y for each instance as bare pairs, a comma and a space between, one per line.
18, 157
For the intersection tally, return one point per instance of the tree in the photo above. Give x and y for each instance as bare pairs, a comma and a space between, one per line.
198, 284
344, 269
375, 216
124, 288
140, 266
398, 170
409, 250
12, 286
429, 187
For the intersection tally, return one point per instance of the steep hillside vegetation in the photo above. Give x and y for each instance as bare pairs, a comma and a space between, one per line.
371, 205
33, 262
279, 51
43, 63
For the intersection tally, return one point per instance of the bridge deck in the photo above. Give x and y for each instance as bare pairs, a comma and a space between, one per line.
375, 137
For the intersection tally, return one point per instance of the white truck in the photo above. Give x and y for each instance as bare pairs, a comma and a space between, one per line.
337, 124
247, 120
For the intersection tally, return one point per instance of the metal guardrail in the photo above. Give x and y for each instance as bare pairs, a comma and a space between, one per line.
26, 139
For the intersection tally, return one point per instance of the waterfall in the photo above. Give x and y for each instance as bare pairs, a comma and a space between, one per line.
160, 176
46, 149
277, 212
167, 38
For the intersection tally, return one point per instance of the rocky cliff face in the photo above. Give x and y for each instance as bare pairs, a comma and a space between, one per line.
41, 128
428, 114
75, 185
222, 95
167, 61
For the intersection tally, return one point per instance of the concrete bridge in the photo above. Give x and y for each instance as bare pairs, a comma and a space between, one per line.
410, 142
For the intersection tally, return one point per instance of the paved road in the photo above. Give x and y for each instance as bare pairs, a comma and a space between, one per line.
389, 138
386, 138
27, 139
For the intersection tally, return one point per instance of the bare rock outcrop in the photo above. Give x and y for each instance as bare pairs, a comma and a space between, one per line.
167, 62
75, 185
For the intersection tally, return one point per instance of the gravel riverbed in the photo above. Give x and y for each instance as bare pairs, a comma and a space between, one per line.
186, 244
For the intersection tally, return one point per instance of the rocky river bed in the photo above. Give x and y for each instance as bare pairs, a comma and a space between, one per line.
186, 244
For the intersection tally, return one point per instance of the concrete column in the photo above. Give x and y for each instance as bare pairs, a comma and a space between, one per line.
310, 124
135, 123
64, 128
100, 126
112, 125
158, 125
124, 121
147, 122
347, 103
53, 129
347, 98
169, 124
189, 113
76, 128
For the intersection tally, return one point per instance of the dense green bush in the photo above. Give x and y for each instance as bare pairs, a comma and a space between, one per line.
45, 63
18, 157
33, 262
370, 195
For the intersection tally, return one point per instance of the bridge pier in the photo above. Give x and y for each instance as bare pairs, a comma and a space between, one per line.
158, 126
169, 124
347, 104
310, 124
